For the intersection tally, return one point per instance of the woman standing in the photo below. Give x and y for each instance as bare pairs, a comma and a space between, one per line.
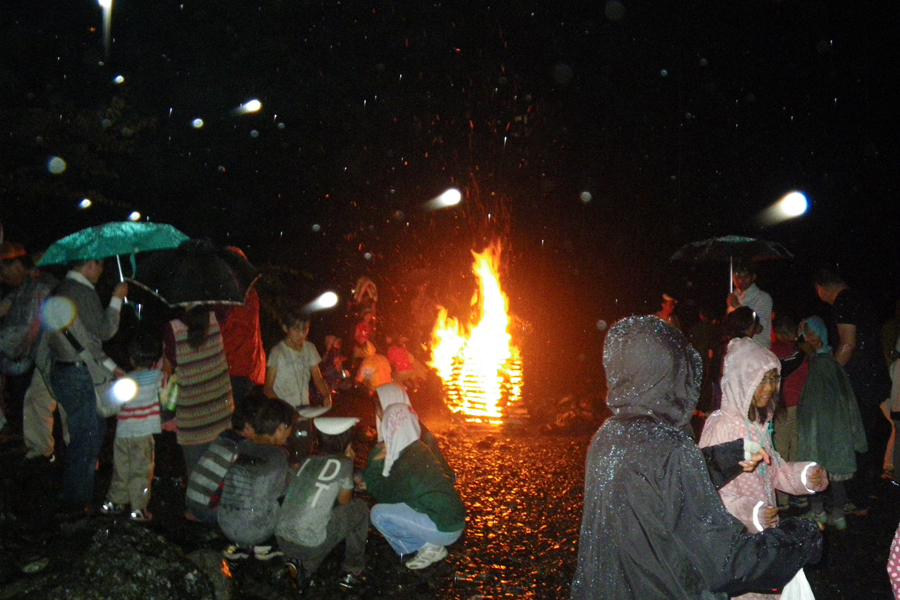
194, 352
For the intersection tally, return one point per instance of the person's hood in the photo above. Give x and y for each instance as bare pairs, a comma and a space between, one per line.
651, 369
746, 363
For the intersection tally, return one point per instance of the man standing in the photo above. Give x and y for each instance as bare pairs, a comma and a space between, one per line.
859, 351
746, 293
72, 381
19, 337
667, 311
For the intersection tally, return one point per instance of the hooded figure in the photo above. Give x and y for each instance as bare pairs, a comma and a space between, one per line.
653, 526
747, 366
829, 427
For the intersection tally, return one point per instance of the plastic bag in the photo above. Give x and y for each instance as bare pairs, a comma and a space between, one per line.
798, 588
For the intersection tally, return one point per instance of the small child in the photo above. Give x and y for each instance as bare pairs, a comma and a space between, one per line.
133, 449
259, 476
794, 373
319, 510
293, 362
205, 483
333, 363
408, 372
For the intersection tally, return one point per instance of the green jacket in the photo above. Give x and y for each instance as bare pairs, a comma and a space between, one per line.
417, 480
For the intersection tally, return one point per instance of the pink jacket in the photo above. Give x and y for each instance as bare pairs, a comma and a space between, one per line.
746, 362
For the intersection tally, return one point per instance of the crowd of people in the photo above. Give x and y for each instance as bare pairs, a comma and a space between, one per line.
682, 500
685, 502
236, 411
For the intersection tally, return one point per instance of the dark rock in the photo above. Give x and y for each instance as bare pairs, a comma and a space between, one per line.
114, 559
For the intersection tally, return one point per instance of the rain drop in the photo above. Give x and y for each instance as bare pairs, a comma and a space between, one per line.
197, 123
254, 133
663, 73
85, 203
586, 197
221, 169
367, 256
56, 165
317, 228
105, 123
614, 10
118, 79
601, 325
281, 126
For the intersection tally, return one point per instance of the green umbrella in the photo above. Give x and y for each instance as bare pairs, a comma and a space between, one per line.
112, 239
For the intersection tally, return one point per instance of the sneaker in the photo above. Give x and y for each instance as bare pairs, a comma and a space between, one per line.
295, 576
851, 509
427, 556
111, 508
266, 552
235, 552
820, 518
840, 523
351, 581
799, 502
140, 516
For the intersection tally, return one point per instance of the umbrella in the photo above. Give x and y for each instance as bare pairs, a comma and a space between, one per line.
112, 239
731, 247
195, 273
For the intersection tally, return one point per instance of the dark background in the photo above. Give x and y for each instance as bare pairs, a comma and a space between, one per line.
683, 121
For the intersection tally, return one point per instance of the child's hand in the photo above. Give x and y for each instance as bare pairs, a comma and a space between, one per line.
769, 517
750, 465
814, 478
381, 454
170, 425
360, 484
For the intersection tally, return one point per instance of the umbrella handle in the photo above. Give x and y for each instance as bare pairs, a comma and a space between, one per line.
730, 274
121, 277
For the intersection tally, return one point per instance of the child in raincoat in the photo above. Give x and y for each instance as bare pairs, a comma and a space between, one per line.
750, 378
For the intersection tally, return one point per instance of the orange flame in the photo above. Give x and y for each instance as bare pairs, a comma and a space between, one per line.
480, 366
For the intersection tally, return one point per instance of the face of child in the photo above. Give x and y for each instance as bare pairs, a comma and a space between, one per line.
767, 388
296, 334
281, 435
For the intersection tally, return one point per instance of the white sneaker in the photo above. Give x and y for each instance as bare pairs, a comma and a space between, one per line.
427, 556
266, 552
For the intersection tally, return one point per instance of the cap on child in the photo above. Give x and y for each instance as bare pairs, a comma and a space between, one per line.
334, 425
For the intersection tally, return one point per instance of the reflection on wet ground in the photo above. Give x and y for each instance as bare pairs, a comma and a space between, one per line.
524, 495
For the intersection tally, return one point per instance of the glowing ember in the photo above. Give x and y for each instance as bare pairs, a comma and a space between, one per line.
479, 365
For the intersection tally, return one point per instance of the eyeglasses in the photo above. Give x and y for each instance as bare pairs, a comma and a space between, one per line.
773, 379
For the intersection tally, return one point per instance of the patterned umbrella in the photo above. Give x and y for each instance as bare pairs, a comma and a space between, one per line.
195, 273
112, 239
731, 248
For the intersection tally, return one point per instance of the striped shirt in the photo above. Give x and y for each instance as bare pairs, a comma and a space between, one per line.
140, 417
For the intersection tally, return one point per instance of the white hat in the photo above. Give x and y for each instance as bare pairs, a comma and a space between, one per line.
311, 412
335, 425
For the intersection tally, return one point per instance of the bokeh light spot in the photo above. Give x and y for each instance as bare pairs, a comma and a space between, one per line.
794, 204
124, 390
586, 197
197, 123
56, 165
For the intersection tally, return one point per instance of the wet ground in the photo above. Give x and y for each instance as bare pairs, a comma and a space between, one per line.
523, 490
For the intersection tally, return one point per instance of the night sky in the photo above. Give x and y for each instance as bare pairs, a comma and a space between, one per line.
682, 121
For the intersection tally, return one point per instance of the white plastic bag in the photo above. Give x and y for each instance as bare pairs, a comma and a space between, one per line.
798, 588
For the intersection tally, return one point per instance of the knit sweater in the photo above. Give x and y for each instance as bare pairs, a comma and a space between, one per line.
204, 388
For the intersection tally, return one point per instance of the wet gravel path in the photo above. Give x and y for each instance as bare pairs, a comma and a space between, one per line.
523, 491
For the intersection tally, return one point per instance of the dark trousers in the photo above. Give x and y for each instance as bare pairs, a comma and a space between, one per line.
349, 523
74, 390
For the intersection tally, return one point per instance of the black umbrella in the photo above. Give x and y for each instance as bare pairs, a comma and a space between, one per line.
195, 273
731, 248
